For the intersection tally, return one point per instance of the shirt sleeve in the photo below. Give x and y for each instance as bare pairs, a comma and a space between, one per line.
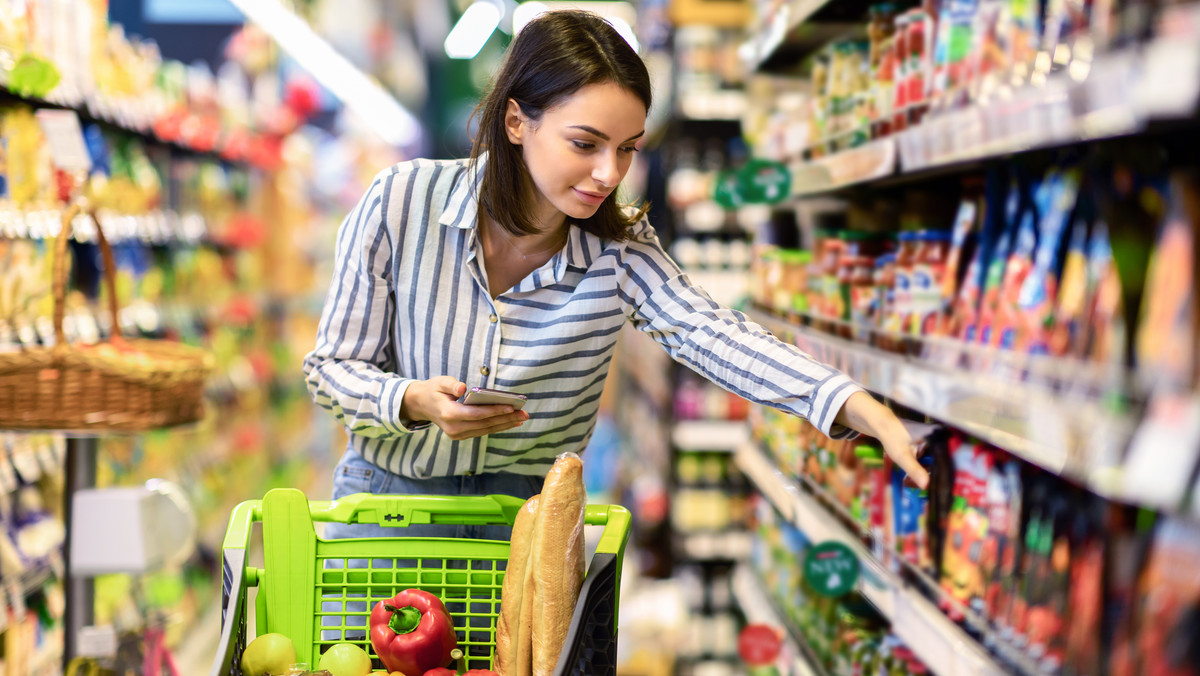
347, 372
723, 345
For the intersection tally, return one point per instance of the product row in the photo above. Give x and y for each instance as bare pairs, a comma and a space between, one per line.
1032, 565
1089, 261
846, 635
68, 53
943, 55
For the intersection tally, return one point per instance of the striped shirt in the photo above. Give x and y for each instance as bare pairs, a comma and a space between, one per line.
409, 300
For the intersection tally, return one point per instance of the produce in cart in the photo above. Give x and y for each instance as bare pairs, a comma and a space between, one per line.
268, 655
412, 633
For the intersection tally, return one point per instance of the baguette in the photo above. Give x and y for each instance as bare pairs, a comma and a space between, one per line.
513, 635
556, 561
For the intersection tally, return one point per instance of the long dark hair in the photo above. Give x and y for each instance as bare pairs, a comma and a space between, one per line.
554, 56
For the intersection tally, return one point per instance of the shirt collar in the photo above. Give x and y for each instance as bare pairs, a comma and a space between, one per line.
462, 209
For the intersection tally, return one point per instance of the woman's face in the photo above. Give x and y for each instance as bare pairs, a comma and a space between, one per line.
580, 150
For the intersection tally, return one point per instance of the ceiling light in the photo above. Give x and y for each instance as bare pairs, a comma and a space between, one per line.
359, 93
473, 29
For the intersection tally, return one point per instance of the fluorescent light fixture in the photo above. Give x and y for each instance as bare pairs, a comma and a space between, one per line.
359, 93
621, 15
473, 29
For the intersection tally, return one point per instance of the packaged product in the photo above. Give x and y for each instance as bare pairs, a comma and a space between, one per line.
1003, 323
1104, 333
864, 299
955, 27
1130, 535
965, 223
1017, 214
1167, 336
928, 274
902, 300
887, 320
1170, 589
1085, 604
1037, 294
1064, 336
1002, 205
1024, 32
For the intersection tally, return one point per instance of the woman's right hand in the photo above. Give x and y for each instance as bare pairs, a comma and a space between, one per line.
436, 400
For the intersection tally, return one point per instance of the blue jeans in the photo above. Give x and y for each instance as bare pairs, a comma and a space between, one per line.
354, 474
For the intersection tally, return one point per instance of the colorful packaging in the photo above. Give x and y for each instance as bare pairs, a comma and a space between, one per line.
1001, 328
902, 301
1085, 604
966, 528
1166, 337
955, 28
1035, 309
928, 276
1003, 208
960, 243
1169, 589
993, 261
1105, 334
1069, 313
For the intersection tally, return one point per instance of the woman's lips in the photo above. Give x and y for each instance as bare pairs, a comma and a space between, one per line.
589, 198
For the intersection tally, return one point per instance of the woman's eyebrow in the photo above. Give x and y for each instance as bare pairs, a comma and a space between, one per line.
596, 132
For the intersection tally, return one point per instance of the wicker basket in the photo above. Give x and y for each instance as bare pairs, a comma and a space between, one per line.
117, 385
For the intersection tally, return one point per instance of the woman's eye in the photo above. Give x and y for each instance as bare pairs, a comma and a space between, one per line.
629, 149
583, 145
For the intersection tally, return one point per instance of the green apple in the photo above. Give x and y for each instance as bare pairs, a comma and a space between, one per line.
346, 659
268, 655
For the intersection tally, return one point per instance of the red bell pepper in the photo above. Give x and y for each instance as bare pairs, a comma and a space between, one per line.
412, 633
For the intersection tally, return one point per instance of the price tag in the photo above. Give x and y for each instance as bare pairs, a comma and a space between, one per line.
64, 137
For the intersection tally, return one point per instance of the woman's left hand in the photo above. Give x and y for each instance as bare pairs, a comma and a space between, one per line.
862, 413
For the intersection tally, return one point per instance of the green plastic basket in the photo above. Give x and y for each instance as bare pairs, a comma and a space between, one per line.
319, 592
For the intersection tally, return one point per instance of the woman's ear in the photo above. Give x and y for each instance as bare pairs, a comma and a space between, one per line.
515, 122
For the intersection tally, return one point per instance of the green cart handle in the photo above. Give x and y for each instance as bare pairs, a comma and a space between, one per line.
403, 510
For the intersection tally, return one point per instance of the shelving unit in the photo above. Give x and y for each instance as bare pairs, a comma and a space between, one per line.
1128, 91
932, 636
799, 27
1069, 421
795, 658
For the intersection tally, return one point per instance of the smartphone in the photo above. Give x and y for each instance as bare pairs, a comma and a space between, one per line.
482, 396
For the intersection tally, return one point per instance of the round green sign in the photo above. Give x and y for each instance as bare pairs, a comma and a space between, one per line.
831, 569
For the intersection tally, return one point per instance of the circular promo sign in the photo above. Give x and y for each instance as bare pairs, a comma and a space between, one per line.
759, 644
831, 569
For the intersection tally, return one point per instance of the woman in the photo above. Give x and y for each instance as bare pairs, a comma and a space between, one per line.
515, 269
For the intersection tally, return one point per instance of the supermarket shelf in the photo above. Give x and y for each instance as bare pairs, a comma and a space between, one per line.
796, 658
869, 162
798, 28
709, 435
1076, 433
1120, 93
727, 546
932, 636
137, 121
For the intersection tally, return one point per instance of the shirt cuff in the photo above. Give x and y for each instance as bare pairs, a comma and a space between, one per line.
391, 394
828, 400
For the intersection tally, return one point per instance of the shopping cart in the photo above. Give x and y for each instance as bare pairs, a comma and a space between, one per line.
319, 592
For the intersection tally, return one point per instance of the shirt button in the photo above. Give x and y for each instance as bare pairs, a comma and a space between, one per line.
485, 370
493, 318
